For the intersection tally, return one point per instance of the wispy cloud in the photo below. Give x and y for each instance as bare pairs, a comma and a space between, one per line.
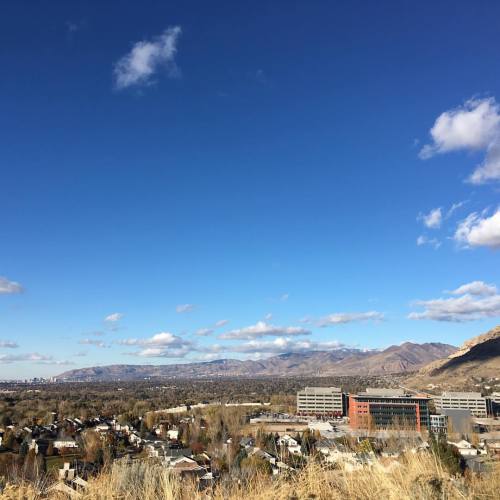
113, 318
8, 287
454, 208
433, 219
161, 352
204, 332
475, 288
342, 318
184, 308
9, 344
221, 323
96, 333
94, 342
471, 301
263, 329
33, 357
425, 240
475, 126
478, 230
147, 57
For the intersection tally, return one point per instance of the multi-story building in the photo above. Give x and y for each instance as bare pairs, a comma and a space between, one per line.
472, 401
493, 404
321, 401
438, 424
388, 409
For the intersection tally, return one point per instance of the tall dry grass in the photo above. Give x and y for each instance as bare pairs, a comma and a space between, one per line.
417, 477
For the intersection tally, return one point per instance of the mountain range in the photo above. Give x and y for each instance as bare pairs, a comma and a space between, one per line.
404, 358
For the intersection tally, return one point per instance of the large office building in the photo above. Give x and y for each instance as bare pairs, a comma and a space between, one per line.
321, 401
472, 401
378, 409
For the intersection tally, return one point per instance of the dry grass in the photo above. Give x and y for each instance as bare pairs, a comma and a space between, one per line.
417, 477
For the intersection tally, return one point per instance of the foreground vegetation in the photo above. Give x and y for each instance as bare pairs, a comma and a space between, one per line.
416, 476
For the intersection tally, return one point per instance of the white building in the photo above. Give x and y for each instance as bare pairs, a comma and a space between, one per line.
465, 448
320, 401
472, 401
65, 443
438, 424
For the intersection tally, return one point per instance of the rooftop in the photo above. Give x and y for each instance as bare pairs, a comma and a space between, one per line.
322, 390
464, 395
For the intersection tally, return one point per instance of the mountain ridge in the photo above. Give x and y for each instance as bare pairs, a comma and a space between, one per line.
404, 358
477, 357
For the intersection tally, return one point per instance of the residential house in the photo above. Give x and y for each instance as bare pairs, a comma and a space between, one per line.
465, 448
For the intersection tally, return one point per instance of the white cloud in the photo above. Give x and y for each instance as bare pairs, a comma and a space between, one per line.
475, 300
341, 318
161, 345
268, 316
425, 240
263, 329
284, 297
184, 308
162, 340
8, 287
433, 219
94, 342
158, 352
478, 230
473, 126
489, 170
203, 332
221, 323
475, 288
283, 345
113, 318
33, 357
138, 67
56, 362
9, 344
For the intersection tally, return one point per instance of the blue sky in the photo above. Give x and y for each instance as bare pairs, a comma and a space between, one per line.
297, 176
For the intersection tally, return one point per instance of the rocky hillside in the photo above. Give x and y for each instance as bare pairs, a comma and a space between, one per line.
478, 357
407, 357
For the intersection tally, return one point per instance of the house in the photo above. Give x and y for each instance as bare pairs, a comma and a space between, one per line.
66, 473
465, 448
334, 452
493, 448
320, 426
173, 434
185, 466
295, 450
262, 454
288, 441
65, 443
